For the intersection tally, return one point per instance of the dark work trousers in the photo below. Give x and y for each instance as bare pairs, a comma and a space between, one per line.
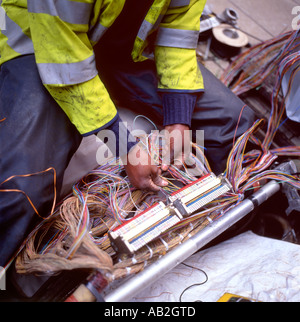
219, 112
35, 135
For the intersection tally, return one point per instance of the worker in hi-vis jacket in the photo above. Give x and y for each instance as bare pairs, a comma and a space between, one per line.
67, 64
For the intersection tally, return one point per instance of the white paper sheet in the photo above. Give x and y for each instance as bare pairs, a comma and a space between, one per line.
248, 265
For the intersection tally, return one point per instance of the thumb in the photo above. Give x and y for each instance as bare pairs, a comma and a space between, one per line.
167, 159
157, 179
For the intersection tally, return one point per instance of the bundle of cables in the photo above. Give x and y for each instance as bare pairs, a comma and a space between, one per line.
252, 67
76, 234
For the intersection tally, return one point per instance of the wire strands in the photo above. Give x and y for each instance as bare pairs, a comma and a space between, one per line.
253, 66
76, 235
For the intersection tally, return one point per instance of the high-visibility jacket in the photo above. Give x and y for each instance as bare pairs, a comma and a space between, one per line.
62, 33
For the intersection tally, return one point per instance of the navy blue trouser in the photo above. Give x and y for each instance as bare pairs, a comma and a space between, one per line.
36, 134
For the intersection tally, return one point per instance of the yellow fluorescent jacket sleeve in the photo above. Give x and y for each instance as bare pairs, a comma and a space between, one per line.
66, 62
175, 52
61, 34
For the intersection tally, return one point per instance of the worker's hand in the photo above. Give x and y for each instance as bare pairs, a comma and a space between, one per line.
177, 147
142, 171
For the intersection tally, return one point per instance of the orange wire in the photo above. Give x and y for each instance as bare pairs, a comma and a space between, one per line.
238, 123
28, 198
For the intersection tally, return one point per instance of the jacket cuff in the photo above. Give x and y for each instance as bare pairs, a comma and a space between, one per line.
125, 141
178, 108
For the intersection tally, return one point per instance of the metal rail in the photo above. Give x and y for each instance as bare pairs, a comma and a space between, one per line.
155, 271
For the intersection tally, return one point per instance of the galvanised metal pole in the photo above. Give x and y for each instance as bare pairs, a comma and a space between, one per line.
155, 271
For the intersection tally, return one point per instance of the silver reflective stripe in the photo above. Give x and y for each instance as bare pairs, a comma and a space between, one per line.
68, 74
16, 39
97, 32
177, 38
179, 3
2, 17
145, 29
68, 11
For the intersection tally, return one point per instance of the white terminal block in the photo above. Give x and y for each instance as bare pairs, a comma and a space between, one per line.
153, 222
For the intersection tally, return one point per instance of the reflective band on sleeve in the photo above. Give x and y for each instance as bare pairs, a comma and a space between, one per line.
97, 32
179, 3
146, 27
68, 74
16, 39
68, 11
2, 17
177, 38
